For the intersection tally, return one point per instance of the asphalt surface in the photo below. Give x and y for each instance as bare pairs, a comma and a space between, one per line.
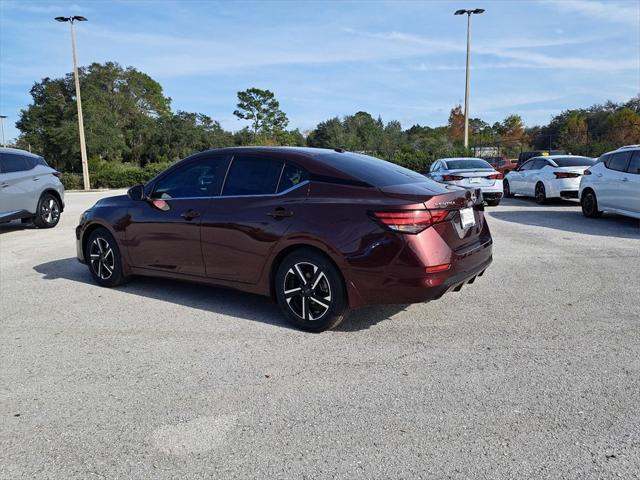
532, 372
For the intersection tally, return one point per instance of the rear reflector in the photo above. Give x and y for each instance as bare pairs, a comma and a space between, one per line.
566, 174
438, 268
496, 176
450, 178
410, 221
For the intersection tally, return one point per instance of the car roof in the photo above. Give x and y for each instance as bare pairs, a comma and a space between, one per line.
18, 151
308, 151
461, 158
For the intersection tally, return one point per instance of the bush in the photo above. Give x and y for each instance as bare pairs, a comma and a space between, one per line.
113, 175
71, 181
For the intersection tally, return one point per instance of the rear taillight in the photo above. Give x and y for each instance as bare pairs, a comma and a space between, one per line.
566, 174
410, 221
451, 178
587, 172
57, 174
496, 176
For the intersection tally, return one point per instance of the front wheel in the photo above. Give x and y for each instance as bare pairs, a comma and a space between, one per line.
310, 291
506, 188
541, 194
48, 213
589, 204
104, 259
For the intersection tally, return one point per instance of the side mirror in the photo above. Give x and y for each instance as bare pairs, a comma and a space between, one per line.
136, 192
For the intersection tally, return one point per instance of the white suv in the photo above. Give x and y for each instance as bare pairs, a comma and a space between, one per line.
29, 189
613, 184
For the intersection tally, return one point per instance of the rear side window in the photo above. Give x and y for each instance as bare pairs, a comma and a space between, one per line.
14, 163
528, 165
249, 175
618, 161
538, 164
370, 170
574, 161
291, 176
202, 178
634, 164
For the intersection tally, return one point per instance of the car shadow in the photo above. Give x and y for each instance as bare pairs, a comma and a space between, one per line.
15, 226
213, 299
530, 202
609, 225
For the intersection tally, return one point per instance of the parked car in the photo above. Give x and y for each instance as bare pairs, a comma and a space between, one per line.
613, 184
502, 165
29, 189
524, 156
469, 173
556, 176
321, 231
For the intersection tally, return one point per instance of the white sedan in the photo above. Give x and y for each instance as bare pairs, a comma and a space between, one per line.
554, 176
613, 184
469, 173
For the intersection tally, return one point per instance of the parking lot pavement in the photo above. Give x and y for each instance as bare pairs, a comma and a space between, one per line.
532, 372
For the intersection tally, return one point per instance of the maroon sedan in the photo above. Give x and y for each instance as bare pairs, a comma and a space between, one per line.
321, 231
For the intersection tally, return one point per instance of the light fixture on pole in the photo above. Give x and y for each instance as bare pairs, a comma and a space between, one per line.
83, 146
2, 117
476, 11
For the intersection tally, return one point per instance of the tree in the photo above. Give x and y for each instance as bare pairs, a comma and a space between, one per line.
624, 127
574, 136
456, 124
262, 109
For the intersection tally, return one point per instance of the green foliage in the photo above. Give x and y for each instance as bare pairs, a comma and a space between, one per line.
71, 181
262, 109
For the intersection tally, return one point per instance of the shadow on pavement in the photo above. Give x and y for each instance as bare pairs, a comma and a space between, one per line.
15, 226
609, 225
530, 202
209, 298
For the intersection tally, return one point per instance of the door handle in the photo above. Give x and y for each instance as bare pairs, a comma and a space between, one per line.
190, 214
598, 174
625, 179
35, 179
4, 185
280, 212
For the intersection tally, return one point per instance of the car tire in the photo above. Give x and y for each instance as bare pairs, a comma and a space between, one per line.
493, 203
103, 259
540, 194
589, 204
310, 291
48, 212
506, 189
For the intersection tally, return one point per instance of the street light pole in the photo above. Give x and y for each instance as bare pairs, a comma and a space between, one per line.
2, 117
83, 146
466, 88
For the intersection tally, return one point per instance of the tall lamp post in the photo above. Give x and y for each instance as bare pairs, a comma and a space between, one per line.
83, 146
477, 11
2, 117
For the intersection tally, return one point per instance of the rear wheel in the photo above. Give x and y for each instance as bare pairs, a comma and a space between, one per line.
48, 213
506, 188
103, 258
541, 194
589, 204
310, 291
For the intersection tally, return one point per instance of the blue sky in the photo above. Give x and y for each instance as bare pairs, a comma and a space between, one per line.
403, 60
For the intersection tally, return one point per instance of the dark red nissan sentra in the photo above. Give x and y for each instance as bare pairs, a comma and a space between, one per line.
321, 231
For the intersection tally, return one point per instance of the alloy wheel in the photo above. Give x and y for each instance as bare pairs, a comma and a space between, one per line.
540, 193
307, 291
102, 258
49, 211
589, 204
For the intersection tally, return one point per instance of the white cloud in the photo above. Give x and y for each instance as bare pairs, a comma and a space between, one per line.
620, 12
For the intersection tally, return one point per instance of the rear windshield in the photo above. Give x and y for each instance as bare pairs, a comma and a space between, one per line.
371, 170
574, 161
464, 164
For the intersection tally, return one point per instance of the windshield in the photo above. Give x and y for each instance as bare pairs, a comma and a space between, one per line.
371, 170
574, 161
467, 164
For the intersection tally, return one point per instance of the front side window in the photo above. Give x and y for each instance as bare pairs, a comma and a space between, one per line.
634, 164
252, 175
618, 161
202, 178
527, 165
291, 176
13, 163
